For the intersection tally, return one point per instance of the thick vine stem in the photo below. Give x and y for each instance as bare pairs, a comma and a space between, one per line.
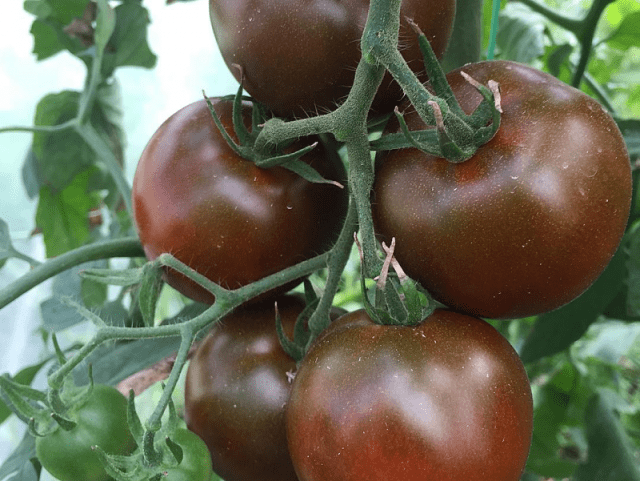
125, 247
337, 261
584, 29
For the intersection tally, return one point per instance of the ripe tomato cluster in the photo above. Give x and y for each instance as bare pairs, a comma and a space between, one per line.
522, 227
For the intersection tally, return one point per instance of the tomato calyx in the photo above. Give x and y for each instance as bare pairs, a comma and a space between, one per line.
450, 133
265, 156
165, 450
396, 299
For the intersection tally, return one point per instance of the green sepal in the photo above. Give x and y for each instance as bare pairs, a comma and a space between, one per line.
294, 351
59, 354
302, 329
149, 292
114, 277
175, 449
64, 423
20, 399
119, 467
449, 149
173, 421
151, 455
437, 77
244, 136
133, 420
234, 146
425, 146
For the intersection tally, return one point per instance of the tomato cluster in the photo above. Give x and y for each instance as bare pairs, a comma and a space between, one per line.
522, 227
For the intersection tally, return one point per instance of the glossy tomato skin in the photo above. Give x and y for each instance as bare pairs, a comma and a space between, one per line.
526, 224
447, 400
196, 462
299, 57
236, 389
101, 421
230, 220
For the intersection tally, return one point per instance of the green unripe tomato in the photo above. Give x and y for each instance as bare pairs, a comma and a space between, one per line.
101, 421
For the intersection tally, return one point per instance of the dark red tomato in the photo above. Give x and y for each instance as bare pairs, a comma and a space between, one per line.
446, 400
236, 390
526, 224
228, 219
299, 57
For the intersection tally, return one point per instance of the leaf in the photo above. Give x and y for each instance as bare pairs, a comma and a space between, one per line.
610, 456
554, 402
520, 34
25, 376
66, 10
630, 129
39, 8
557, 58
6, 247
60, 156
129, 39
627, 34
63, 217
633, 280
149, 293
557, 330
22, 464
57, 316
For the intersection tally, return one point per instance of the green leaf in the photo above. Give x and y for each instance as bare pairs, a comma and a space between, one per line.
46, 39
557, 58
66, 10
520, 34
6, 247
22, 464
610, 456
149, 292
630, 129
627, 35
553, 403
39, 8
557, 330
128, 45
63, 216
60, 156
25, 376
633, 280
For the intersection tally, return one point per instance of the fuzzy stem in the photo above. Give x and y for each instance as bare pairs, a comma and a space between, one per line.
127, 247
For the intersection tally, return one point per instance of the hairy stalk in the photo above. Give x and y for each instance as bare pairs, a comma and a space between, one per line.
127, 247
337, 261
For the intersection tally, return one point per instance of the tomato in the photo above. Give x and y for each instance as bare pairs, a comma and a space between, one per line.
101, 421
237, 386
228, 219
196, 462
446, 400
527, 223
299, 57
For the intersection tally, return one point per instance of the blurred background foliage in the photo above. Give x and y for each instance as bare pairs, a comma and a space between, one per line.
583, 359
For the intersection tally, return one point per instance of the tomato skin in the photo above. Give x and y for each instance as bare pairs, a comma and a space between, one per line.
312, 68
101, 421
230, 220
236, 389
447, 400
196, 462
526, 224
